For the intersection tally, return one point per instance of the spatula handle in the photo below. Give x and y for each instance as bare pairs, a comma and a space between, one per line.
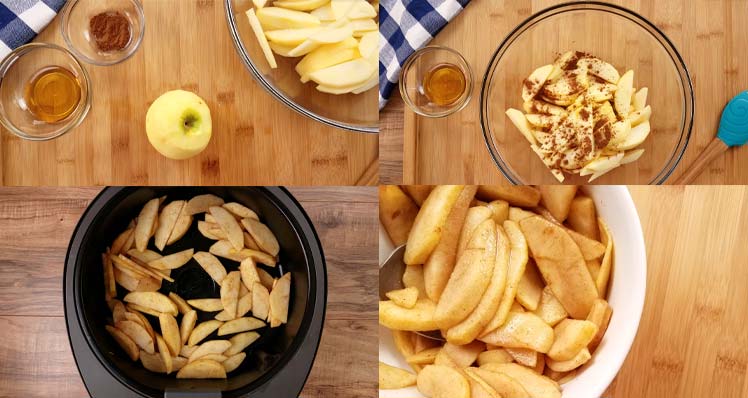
714, 149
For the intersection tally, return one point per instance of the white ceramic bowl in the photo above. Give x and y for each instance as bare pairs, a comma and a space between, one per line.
626, 297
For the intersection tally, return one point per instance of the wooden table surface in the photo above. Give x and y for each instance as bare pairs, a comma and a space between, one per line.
36, 225
709, 34
256, 139
692, 341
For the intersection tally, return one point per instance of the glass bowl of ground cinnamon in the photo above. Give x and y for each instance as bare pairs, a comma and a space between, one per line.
103, 32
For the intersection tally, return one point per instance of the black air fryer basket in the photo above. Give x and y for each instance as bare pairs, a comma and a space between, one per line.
277, 365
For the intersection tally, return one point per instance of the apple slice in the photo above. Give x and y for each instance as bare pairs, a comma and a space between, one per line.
640, 116
602, 164
291, 37
640, 99
622, 100
259, 3
520, 121
556, 172
369, 84
632, 156
535, 81
540, 120
341, 8
369, 44
362, 26
601, 69
301, 5
283, 51
326, 56
361, 9
274, 18
333, 35
350, 73
254, 22
324, 13
635, 138
601, 92
620, 132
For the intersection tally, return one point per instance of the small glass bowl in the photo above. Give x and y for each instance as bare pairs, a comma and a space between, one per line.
17, 69
76, 17
415, 69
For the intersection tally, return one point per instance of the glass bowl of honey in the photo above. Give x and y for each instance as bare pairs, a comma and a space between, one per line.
44, 92
436, 81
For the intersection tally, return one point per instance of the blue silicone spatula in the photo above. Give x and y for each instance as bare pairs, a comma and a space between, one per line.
733, 131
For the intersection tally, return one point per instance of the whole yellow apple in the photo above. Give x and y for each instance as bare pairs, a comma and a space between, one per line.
178, 124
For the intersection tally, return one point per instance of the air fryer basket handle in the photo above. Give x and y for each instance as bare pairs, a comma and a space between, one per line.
192, 394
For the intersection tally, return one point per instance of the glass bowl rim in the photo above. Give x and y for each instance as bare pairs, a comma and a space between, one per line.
686, 83
469, 80
67, 9
270, 88
12, 57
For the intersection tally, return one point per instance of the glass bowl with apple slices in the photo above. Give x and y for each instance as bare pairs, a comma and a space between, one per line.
638, 52
318, 57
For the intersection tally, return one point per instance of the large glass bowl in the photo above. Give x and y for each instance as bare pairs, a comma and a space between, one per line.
616, 35
348, 111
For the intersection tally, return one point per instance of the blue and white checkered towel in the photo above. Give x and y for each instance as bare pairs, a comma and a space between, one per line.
404, 27
22, 20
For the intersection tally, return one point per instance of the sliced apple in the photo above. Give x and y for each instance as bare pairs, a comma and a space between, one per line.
520, 121
362, 26
282, 50
256, 25
333, 34
640, 116
622, 97
603, 163
301, 5
640, 99
543, 121
324, 13
600, 92
259, 3
274, 18
348, 73
620, 132
340, 8
291, 37
601, 69
369, 44
360, 9
535, 82
369, 84
632, 156
635, 138
326, 56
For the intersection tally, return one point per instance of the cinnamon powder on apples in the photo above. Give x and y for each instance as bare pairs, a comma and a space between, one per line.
110, 31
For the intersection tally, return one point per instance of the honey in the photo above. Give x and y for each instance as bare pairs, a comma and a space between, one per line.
52, 94
444, 84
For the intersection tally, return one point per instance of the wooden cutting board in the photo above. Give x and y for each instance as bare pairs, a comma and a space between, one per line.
36, 225
256, 139
709, 34
692, 341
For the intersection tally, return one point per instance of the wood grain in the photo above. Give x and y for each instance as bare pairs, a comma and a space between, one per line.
707, 33
35, 227
692, 340
256, 140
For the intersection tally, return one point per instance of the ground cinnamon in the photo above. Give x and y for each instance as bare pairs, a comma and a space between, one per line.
110, 31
